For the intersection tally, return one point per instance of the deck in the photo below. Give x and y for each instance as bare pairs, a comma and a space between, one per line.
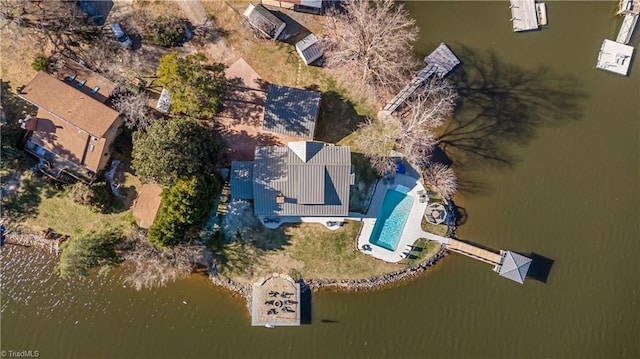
524, 15
440, 63
473, 251
275, 301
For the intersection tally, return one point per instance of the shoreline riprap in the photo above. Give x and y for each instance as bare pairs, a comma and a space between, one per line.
348, 285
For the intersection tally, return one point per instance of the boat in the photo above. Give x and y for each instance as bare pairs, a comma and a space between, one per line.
271, 326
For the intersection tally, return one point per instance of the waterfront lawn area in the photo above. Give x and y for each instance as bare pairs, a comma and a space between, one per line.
422, 249
56, 210
307, 250
439, 229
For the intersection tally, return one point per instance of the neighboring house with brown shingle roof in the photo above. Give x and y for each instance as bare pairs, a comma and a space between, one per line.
73, 129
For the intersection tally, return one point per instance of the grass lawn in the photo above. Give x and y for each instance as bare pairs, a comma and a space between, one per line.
439, 229
422, 249
309, 250
53, 208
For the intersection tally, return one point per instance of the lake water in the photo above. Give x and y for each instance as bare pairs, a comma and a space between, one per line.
559, 175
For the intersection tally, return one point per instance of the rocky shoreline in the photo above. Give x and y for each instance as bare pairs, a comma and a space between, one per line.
348, 285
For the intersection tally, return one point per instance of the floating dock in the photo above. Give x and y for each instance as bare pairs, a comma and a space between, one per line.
527, 15
507, 264
439, 63
616, 56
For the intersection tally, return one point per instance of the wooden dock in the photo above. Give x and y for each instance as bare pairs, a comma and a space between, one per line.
627, 28
439, 63
524, 15
474, 252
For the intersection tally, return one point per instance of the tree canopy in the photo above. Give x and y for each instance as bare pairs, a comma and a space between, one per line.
370, 44
174, 148
196, 89
96, 249
410, 130
185, 205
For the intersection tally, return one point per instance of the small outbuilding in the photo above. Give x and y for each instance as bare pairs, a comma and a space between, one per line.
291, 111
264, 21
309, 49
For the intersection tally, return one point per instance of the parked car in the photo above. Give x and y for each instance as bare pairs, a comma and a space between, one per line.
121, 36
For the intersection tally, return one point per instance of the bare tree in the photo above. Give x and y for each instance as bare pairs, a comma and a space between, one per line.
410, 131
376, 140
153, 267
135, 109
62, 23
370, 44
442, 179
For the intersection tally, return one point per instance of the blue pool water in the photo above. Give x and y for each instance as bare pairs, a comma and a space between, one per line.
391, 219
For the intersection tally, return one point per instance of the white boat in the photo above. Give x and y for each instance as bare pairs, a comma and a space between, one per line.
271, 326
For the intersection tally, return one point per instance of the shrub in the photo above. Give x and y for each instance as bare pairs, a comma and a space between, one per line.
98, 196
167, 30
185, 205
97, 249
40, 62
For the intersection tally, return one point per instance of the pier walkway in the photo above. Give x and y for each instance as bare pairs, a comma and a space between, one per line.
626, 30
473, 251
440, 62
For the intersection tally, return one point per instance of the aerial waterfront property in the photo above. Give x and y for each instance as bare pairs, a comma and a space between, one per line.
539, 94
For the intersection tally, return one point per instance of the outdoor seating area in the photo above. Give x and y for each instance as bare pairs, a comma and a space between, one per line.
275, 301
423, 196
435, 213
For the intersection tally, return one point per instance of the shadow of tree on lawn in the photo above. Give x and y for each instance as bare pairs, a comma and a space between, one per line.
502, 105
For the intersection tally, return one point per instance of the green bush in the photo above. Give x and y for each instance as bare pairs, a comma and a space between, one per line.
167, 30
185, 206
98, 196
97, 249
40, 62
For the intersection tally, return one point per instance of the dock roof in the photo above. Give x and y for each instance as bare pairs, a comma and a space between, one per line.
514, 266
291, 111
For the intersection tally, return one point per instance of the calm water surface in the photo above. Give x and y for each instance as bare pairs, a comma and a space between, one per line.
570, 192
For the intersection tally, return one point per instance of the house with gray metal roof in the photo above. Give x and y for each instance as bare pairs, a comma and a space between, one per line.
513, 266
303, 179
309, 49
263, 20
291, 111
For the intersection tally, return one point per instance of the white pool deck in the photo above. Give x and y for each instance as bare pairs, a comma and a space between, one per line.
412, 230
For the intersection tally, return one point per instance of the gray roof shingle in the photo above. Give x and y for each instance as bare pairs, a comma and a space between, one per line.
291, 111
314, 185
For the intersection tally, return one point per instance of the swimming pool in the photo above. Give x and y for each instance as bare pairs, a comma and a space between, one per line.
391, 219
